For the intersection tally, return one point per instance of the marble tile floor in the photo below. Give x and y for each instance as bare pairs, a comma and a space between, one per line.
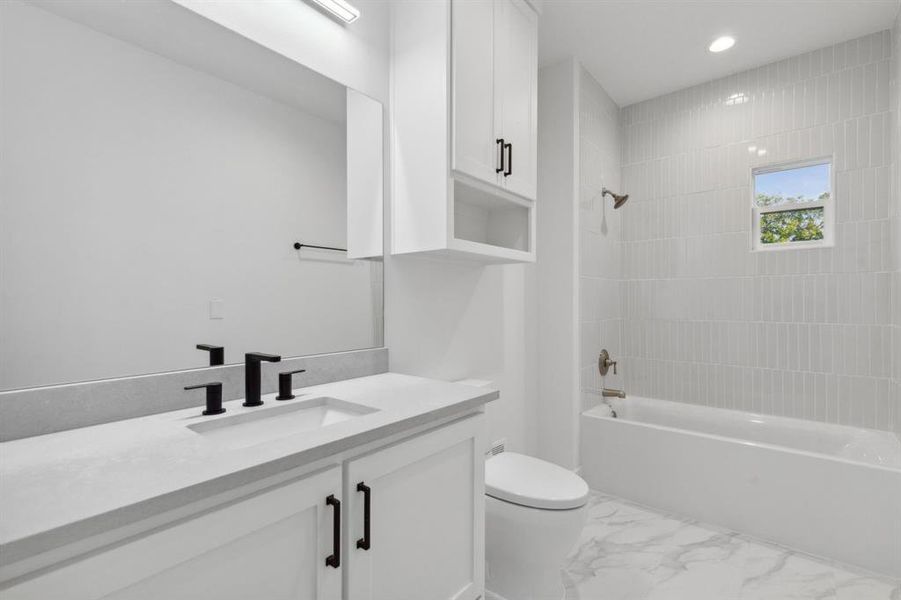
629, 552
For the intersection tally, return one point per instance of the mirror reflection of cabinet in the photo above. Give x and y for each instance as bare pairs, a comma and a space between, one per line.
466, 168
364, 176
158, 168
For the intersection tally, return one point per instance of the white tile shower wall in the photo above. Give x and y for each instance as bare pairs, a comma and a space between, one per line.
600, 237
801, 333
896, 214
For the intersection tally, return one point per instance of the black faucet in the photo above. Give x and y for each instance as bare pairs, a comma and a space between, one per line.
284, 384
213, 397
217, 354
252, 376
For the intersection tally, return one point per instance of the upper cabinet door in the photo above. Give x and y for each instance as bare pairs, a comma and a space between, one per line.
425, 538
516, 88
475, 151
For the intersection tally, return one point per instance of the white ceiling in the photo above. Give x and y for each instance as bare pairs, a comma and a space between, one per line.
641, 49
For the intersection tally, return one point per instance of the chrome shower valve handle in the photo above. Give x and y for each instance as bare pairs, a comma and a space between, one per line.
605, 362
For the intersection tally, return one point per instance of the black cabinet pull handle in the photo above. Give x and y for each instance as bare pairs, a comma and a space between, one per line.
500, 141
363, 542
509, 170
335, 559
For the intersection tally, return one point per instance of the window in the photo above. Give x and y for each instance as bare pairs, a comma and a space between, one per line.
792, 205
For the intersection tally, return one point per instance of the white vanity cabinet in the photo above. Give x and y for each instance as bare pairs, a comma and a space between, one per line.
276, 539
495, 93
268, 544
465, 108
426, 516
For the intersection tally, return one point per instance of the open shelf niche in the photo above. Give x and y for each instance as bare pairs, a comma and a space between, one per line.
487, 222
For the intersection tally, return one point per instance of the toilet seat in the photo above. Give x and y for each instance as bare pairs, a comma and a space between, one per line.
533, 482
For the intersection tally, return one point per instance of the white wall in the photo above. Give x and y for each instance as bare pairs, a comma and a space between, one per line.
457, 320
579, 257
557, 247
800, 333
896, 215
123, 214
600, 227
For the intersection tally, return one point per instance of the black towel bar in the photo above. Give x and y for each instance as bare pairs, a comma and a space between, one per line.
298, 246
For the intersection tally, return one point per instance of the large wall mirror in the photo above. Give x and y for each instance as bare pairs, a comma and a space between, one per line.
157, 172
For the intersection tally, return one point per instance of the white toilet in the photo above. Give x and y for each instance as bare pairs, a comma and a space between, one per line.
535, 511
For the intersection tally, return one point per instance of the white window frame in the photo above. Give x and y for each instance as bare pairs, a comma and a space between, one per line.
828, 207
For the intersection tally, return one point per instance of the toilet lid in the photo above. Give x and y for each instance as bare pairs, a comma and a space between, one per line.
533, 482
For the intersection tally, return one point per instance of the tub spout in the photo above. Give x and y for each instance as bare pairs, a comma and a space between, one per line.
611, 393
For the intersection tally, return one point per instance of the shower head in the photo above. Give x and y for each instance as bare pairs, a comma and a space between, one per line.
618, 200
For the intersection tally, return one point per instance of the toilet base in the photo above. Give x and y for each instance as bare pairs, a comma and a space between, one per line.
526, 548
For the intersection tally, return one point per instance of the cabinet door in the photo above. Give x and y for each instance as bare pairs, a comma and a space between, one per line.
475, 151
516, 87
426, 518
272, 544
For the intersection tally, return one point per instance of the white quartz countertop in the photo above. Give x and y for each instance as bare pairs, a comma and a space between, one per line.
61, 487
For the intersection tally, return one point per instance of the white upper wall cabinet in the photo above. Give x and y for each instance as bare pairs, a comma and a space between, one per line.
494, 89
476, 123
465, 100
516, 93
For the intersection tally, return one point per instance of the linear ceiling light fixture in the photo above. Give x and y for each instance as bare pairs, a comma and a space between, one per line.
344, 11
721, 43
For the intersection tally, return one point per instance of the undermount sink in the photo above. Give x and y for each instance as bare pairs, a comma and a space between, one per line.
267, 424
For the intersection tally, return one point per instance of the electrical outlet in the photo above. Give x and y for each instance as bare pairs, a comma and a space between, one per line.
217, 308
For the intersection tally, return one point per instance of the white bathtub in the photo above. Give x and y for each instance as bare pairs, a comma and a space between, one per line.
828, 490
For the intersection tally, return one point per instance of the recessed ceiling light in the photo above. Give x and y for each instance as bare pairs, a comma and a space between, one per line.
721, 43
341, 9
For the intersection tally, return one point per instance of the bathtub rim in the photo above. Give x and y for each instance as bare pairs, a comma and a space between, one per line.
594, 413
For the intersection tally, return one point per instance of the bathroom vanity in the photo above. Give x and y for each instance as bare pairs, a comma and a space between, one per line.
387, 483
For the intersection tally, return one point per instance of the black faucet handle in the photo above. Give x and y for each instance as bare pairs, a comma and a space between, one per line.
260, 356
213, 397
284, 385
217, 354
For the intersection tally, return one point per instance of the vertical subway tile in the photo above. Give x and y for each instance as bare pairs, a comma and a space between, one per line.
793, 332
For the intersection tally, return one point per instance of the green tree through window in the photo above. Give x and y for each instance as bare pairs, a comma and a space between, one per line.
791, 226
780, 197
